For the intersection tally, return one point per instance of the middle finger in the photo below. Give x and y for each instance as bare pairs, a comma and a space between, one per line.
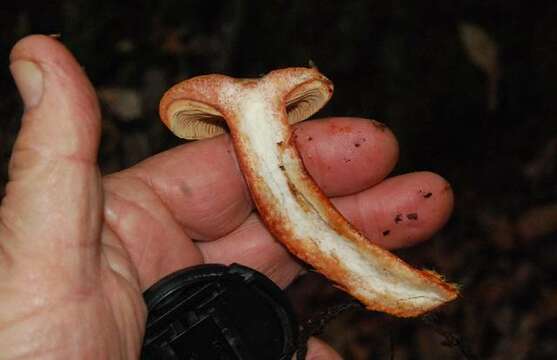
201, 183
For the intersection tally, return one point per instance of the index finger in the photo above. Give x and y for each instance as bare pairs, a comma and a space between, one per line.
203, 187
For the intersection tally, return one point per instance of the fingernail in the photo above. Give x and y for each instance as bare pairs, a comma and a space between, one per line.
29, 81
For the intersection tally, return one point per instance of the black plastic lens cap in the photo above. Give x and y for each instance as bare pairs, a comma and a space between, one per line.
218, 312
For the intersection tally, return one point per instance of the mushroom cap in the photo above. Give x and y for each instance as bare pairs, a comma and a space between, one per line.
199, 107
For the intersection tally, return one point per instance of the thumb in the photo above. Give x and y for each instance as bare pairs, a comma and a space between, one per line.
53, 198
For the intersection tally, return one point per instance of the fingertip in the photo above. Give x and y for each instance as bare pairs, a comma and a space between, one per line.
26, 47
425, 205
346, 155
401, 211
65, 118
320, 350
443, 188
62, 70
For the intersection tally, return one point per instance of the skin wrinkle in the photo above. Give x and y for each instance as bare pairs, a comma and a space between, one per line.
279, 276
186, 190
250, 223
139, 260
105, 301
225, 210
147, 187
39, 156
21, 320
6, 259
248, 236
53, 173
82, 279
211, 250
85, 222
204, 211
60, 264
123, 256
117, 318
64, 317
30, 141
49, 307
81, 241
41, 352
151, 186
6, 325
112, 221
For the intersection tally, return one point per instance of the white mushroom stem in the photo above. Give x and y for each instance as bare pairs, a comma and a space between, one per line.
298, 214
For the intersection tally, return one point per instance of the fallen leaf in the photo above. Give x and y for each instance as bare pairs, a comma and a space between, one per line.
482, 52
125, 103
538, 221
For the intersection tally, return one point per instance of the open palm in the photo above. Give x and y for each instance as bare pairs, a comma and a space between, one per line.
77, 250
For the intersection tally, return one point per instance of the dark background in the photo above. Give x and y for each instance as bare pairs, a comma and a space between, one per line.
468, 87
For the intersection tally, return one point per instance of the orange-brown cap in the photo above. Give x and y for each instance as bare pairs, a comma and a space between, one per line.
199, 107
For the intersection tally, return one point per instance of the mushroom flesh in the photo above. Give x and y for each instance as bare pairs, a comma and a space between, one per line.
258, 114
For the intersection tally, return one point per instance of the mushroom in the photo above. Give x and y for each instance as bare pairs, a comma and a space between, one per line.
258, 113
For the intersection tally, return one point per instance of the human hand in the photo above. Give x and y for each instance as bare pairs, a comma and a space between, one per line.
77, 250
